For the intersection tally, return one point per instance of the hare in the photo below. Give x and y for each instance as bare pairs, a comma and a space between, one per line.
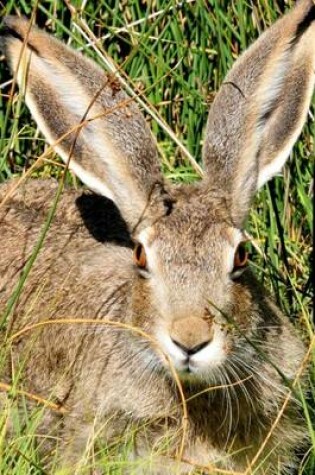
153, 322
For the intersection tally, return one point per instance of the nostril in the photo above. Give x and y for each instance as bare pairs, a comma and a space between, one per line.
182, 347
199, 347
191, 351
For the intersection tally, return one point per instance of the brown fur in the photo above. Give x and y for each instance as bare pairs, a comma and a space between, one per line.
112, 379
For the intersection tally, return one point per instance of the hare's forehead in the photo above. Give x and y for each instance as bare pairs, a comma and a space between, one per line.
171, 239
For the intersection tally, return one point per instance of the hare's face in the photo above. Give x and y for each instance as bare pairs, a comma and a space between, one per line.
189, 277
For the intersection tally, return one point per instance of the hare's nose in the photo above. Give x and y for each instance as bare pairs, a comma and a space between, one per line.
191, 351
192, 334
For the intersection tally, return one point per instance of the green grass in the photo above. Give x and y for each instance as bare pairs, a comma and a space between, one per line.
177, 54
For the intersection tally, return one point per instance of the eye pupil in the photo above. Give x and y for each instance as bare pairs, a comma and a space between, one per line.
139, 256
242, 253
241, 256
138, 251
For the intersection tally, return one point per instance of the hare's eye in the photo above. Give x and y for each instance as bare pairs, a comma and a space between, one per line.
139, 256
240, 259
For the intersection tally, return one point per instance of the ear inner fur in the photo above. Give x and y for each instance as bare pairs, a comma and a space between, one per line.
115, 153
259, 112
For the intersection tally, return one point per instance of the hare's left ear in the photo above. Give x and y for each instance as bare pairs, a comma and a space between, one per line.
261, 107
89, 120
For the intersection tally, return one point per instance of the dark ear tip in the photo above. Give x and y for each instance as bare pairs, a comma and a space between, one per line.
6, 32
305, 23
7, 28
17, 28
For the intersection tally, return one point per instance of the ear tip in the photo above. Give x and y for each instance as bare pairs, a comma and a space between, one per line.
13, 21
6, 32
307, 19
14, 26
19, 30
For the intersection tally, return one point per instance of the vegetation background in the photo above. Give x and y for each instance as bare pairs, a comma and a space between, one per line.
174, 56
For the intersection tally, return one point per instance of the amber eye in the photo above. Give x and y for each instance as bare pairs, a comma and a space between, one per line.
240, 257
139, 256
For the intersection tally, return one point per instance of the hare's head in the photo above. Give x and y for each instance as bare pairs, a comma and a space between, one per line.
188, 256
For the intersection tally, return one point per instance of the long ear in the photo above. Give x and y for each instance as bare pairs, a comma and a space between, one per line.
261, 107
112, 150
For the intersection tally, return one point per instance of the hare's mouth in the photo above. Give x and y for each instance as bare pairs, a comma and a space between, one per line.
198, 363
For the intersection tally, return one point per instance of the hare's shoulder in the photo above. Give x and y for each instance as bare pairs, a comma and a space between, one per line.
86, 247
28, 204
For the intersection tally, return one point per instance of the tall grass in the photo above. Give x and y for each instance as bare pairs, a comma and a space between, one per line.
176, 54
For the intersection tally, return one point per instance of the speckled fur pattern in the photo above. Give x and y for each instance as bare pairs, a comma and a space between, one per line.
110, 379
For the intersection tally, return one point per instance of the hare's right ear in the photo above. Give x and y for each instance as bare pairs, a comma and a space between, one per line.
84, 114
260, 109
